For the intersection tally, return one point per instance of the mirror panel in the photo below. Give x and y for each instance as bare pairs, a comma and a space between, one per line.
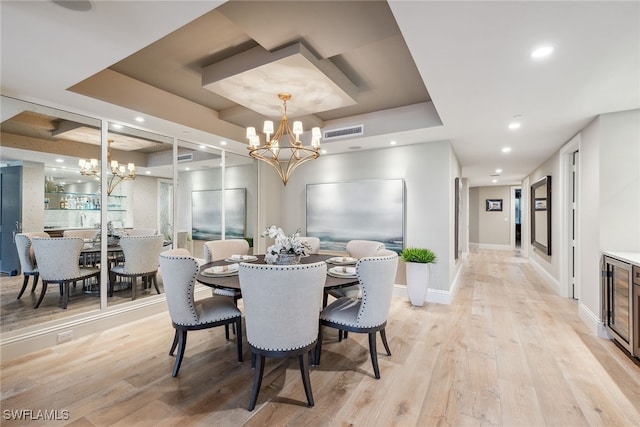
541, 214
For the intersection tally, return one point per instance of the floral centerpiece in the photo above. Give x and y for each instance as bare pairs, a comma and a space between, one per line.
287, 248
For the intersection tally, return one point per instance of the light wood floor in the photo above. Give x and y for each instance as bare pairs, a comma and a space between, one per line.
506, 352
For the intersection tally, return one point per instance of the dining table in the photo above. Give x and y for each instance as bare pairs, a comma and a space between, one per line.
231, 281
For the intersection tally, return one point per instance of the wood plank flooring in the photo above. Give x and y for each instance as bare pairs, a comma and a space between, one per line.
507, 352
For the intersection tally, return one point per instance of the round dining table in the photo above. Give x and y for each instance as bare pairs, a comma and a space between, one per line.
232, 282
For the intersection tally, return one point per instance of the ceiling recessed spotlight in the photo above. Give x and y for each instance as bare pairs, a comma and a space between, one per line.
506, 149
79, 181
392, 143
542, 52
116, 125
54, 169
494, 180
514, 125
59, 161
203, 147
140, 119
498, 170
187, 169
148, 172
323, 151
223, 142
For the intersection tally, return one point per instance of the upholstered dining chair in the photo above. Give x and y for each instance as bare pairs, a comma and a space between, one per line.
142, 232
357, 249
281, 306
89, 233
312, 242
367, 314
179, 270
57, 260
215, 250
28, 259
140, 260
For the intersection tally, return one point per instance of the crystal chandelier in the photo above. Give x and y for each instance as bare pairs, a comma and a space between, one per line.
116, 173
284, 156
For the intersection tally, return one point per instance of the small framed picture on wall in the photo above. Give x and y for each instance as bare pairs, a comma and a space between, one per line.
494, 205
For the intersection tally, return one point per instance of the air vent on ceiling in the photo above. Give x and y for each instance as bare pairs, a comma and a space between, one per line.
185, 157
343, 132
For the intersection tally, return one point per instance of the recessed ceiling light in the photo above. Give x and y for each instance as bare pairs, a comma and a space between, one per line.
139, 119
187, 169
203, 147
323, 151
494, 180
392, 143
54, 169
514, 125
116, 125
498, 170
148, 172
223, 142
542, 52
79, 181
506, 149
59, 161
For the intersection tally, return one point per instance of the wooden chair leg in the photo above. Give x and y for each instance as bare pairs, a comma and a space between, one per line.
318, 349
112, 282
374, 354
182, 343
383, 335
257, 381
238, 326
35, 282
24, 285
175, 343
304, 371
134, 285
65, 294
226, 331
44, 291
154, 279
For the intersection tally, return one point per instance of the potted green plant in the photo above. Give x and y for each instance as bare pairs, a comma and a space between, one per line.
418, 261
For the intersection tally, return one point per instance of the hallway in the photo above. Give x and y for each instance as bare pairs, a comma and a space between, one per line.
507, 352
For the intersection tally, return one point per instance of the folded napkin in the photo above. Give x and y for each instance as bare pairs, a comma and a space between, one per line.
240, 257
347, 270
223, 269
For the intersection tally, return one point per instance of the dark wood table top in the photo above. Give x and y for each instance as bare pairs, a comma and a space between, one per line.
233, 282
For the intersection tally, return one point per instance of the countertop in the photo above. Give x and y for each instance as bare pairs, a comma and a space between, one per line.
630, 257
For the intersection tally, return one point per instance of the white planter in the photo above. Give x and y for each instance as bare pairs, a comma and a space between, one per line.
417, 282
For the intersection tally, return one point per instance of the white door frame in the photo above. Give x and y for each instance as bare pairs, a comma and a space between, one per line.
512, 232
566, 206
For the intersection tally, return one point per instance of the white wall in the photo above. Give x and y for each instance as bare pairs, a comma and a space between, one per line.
32, 197
494, 226
428, 171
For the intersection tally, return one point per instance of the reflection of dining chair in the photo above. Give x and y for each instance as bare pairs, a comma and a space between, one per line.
141, 232
90, 233
215, 250
357, 249
140, 260
367, 314
281, 306
179, 270
28, 259
312, 242
57, 260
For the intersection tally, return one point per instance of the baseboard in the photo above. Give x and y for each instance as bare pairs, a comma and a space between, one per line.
552, 281
593, 322
494, 247
18, 343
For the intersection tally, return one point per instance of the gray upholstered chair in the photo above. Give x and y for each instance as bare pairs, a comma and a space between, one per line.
215, 250
281, 307
140, 260
357, 249
57, 260
28, 259
312, 242
367, 314
179, 270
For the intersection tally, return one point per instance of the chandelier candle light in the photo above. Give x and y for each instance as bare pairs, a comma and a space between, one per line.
116, 173
285, 157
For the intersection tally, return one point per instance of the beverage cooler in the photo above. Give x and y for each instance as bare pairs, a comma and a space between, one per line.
621, 300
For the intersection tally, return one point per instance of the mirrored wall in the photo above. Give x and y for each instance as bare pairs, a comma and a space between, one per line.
73, 174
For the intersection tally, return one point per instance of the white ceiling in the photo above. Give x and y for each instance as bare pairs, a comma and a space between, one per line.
473, 58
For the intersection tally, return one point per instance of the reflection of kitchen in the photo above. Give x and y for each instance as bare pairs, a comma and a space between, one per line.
69, 205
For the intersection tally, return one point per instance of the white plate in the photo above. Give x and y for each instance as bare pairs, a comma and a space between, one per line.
342, 260
245, 258
223, 274
337, 272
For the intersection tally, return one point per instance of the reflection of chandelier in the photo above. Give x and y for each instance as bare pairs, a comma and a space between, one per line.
116, 173
284, 157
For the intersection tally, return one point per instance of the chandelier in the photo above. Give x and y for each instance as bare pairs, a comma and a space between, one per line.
115, 174
285, 157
